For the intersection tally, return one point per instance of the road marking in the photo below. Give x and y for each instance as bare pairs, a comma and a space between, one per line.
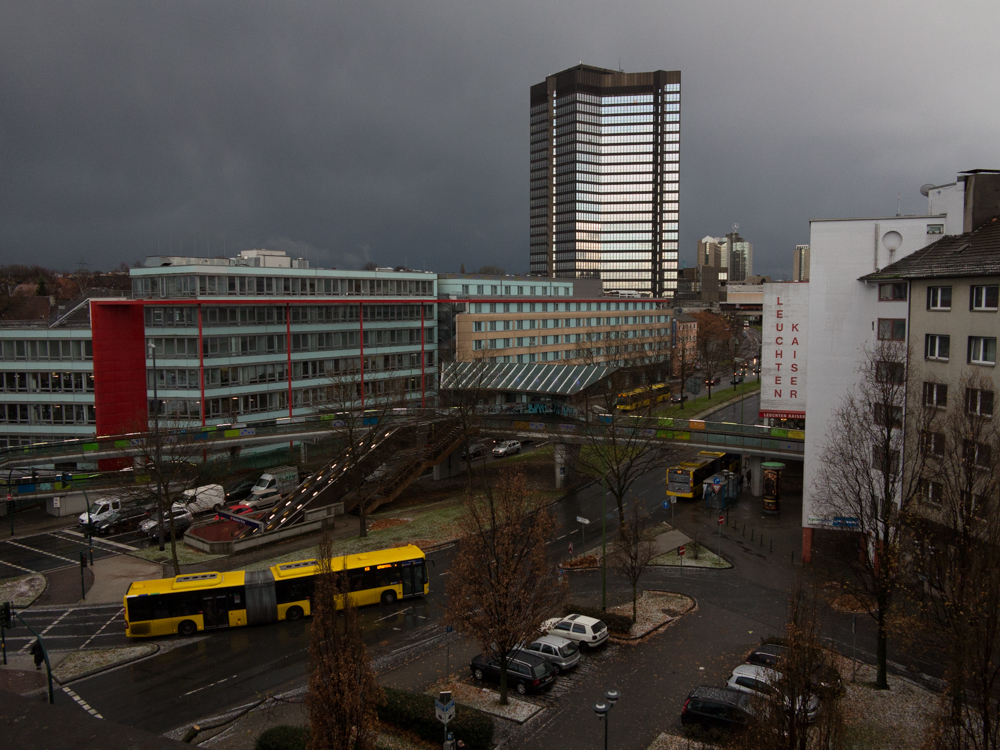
203, 687
50, 554
82, 703
443, 574
96, 541
114, 617
561, 537
12, 565
394, 614
51, 625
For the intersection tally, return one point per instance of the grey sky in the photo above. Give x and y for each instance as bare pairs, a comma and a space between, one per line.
398, 131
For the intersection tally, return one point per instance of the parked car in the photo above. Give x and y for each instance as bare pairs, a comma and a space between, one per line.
122, 520
825, 679
240, 509
507, 448
526, 673
281, 480
261, 500
586, 631
763, 683
183, 519
562, 653
478, 450
717, 708
201, 499
240, 490
100, 510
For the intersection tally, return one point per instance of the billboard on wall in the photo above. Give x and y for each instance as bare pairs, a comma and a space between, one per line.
785, 325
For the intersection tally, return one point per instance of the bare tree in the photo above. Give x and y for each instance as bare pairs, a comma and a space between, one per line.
864, 480
164, 466
632, 551
491, 270
713, 340
957, 557
789, 716
502, 585
344, 694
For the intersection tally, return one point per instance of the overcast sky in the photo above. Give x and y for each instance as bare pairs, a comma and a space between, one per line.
398, 131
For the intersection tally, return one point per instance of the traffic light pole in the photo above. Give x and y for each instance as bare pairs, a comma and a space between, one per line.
45, 655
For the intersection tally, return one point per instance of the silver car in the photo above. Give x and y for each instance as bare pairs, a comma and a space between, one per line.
562, 653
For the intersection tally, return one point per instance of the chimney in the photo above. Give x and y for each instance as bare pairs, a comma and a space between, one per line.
982, 197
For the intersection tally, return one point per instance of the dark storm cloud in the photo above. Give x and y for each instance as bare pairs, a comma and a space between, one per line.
397, 131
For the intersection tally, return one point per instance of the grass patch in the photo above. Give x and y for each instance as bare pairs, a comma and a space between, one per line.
703, 404
425, 527
697, 556
22, 590
185, 555
541, 454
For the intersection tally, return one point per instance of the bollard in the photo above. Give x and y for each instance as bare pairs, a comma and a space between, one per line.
190, 734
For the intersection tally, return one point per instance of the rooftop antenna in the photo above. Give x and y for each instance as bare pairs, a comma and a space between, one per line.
620, 68
899, 199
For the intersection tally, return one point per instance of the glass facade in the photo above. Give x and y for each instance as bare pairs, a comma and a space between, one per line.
605, 178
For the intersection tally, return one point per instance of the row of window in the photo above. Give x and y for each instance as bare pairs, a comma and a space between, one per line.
525, 324
519, 290
978, 402
570, 338
73, 350
228, 346
980, 350
187, 315
47, 382
507, 307
982, 297
177, 285
82, 414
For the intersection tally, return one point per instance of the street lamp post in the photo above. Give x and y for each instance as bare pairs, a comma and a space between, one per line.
603, 710
68, 481
604, 549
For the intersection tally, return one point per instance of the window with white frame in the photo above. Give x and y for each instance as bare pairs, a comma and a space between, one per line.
984, 298
979, 402
937, 346
939, 298
982, 350
931, 491
936, 394
932, 442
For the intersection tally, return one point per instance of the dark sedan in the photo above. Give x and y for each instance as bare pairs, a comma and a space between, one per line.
122, 520
526, 673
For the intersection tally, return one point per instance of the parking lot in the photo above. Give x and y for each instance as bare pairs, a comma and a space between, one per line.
53, 550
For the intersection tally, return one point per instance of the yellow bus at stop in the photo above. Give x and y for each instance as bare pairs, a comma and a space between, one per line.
207, 601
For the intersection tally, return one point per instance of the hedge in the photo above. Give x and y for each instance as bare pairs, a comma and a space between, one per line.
283, 737
621, 624
415, 713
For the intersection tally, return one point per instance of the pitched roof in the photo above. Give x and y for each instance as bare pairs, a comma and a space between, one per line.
975, 253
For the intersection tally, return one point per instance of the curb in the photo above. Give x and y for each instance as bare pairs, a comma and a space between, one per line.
714, 407
669, 621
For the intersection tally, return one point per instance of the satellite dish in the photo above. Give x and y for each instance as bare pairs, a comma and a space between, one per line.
926, 189
891, 241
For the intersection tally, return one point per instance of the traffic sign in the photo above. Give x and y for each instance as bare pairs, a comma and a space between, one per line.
722, 519
666, 505
716, 480
680, 551
581, 519
444, 708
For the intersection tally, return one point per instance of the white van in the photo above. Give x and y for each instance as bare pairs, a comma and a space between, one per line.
200, 499
282, 480
101, 509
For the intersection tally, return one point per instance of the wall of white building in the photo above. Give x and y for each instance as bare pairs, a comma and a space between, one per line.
843, 314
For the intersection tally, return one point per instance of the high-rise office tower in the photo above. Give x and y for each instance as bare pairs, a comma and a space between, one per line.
605, 171
740, 257
800, 263
710, 254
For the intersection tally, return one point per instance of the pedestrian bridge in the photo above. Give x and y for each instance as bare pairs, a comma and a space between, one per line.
749, 439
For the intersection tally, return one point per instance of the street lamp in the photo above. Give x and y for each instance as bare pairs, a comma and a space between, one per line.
156, 426
68, 481
603, 710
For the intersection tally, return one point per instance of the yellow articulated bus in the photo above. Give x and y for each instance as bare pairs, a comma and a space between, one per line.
642, 397
206, 601
684, 479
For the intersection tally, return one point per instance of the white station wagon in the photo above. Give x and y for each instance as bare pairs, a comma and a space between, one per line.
586, 631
